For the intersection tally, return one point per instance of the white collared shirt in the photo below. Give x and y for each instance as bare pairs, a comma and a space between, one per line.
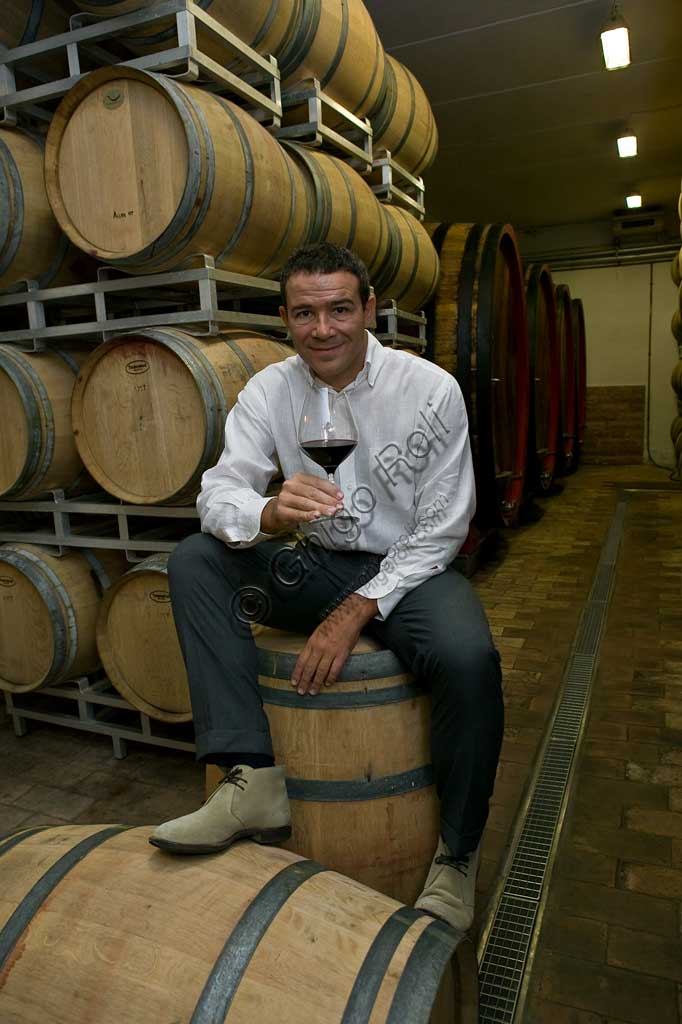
409, 481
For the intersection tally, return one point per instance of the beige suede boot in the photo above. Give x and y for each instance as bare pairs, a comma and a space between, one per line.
450, 889
249, 803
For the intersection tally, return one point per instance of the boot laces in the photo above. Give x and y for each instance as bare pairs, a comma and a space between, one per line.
235, 777
460, 864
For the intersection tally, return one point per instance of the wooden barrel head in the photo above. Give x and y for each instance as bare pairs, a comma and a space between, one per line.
27, 639
121, 187
14, 437
138, 644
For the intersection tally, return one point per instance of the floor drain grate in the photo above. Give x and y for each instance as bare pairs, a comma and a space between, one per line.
505, 955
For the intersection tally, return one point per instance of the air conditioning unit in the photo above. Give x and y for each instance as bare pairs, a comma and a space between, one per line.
646, 223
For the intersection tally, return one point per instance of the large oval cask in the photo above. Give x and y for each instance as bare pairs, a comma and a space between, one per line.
149, 408
580, 345
100, 927
478, 332
567, 428
146, 173
48, 613
545, 377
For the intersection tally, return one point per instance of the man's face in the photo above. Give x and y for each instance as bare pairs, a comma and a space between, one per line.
327, 322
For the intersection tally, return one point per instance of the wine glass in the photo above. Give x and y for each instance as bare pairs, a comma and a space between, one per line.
327, 434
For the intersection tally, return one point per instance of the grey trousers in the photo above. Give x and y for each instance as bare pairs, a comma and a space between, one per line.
439, 632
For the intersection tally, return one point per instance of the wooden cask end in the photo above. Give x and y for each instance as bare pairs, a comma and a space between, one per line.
37, 447
567, 428
139, 646
403, 122
101, 927
545, 376
478, 332
358, 764
149, 408
146, 173
410, 273
343, 208
580, 350
48, 613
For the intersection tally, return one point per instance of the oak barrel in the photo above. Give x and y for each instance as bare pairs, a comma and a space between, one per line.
580, 355
100, 927
343, 208
410, 272
403, 122
149, 408
676, 269
146, 173
478, 332
545, 376
139, 646
27, 21
32, 245
358, 764
263, 25
337, 43
48, 613
567, 422
37, 447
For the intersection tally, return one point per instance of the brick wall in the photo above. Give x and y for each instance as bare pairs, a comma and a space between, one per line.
615, 425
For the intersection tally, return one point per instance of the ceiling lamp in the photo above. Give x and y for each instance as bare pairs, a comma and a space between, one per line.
634, 202
615, 41
627, 145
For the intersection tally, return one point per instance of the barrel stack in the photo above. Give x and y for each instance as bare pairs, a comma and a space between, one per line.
148, 176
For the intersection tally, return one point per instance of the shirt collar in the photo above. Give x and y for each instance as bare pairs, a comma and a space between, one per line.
374, 359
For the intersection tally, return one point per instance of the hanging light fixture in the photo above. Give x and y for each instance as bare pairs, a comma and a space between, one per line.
615, 41
634, 201
627, 146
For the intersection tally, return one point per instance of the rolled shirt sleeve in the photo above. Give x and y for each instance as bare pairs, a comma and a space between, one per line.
445, 501
232, 496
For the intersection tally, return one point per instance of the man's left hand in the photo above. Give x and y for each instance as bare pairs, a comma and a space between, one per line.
328, 648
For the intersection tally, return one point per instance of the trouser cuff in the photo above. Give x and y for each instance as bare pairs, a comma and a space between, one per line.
227, 741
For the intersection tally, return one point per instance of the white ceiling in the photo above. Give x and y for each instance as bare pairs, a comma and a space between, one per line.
527, 114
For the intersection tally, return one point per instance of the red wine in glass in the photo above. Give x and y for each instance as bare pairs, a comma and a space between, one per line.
327, 434
329, 454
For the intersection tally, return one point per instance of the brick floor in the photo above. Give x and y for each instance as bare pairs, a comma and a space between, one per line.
618, 873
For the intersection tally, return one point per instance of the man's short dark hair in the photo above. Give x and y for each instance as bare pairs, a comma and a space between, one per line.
325, 258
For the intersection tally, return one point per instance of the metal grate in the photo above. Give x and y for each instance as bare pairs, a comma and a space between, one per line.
505, 955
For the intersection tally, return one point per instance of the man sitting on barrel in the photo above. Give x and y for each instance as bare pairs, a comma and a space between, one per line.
409, 486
